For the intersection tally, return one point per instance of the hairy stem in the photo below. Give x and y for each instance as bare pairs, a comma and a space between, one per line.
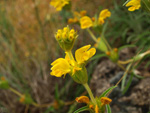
89, 92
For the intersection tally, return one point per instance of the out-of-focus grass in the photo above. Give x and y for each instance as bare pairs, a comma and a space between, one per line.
27, 48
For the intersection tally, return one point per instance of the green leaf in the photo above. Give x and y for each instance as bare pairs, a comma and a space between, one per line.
126, 2
128, 84
108, 108
126, 46
98, 56
139, 76
104, 28
56, 92
124, 78
123, 82
107, 91
85, 108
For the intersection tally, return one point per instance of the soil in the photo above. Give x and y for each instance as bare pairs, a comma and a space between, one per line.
136, 99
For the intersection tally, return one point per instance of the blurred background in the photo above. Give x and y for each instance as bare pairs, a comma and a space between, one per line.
28, 46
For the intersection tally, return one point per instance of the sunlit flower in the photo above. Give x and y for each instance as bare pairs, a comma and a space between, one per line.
103, 15
83, 99
86, 22
133, 5
59, 4
105, 100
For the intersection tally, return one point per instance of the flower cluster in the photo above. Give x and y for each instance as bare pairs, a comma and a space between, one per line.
75, 67
66, 38
87, 22
59, 4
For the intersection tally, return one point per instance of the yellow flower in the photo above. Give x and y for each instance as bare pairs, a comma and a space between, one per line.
60, 67
96, 109
59, 4
76, 69
83, 99
84, 53
86, 22
105, 100
133, 5
103, 15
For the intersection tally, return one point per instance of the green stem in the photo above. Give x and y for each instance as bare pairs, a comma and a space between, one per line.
15, 91
70, 55
92, 35
105, 41
89, 92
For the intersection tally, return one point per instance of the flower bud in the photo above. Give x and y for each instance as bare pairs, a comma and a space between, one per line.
113, 55
26, 99
140, 56
102, 46
66, 38
3, 83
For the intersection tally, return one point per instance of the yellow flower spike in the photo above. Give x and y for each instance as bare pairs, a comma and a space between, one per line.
60, 67
105, 100
103, 15
59, 4
83, 13
96, 109
84, 53
86, 22
82, 99
66, 38
133, 5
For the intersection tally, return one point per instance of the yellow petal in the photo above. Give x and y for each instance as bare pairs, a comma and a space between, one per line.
59, 4
83, 54
105, 100
60, 67
104, 14
83, 99
134, 4
86, 22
